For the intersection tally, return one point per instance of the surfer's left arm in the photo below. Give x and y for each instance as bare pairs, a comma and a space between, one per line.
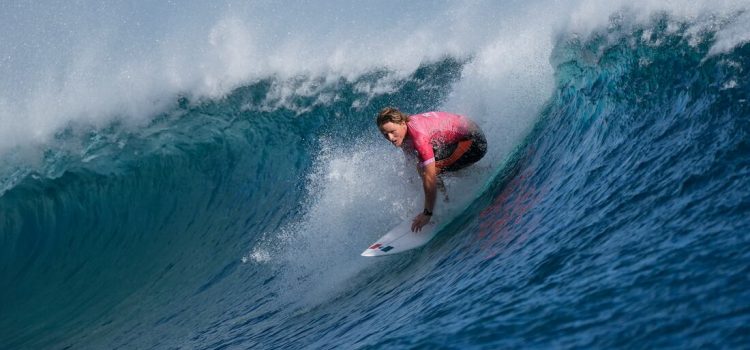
429, 184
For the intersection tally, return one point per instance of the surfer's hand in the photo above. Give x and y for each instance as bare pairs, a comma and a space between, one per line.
419, 221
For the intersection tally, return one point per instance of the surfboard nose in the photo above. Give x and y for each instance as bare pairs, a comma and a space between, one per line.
377, 249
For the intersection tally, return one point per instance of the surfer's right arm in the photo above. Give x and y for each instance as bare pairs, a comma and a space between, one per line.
429, 184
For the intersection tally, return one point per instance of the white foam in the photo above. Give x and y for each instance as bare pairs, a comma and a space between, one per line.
90, 61
738, 32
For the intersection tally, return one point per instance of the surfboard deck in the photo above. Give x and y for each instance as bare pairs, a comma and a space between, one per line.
401, 239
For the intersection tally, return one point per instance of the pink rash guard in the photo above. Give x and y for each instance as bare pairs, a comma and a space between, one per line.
430, 129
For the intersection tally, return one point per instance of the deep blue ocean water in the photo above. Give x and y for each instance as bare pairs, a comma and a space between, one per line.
621, 218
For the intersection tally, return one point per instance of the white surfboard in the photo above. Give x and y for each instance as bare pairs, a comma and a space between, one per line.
401, 239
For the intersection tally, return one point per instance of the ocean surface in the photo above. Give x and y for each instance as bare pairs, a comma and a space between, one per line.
205, 176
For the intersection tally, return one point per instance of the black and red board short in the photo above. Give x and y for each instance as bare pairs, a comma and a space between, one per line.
476, 151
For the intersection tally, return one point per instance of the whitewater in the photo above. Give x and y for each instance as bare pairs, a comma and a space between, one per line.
205, 175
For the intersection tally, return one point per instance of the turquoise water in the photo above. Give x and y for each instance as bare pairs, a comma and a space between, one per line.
619, 220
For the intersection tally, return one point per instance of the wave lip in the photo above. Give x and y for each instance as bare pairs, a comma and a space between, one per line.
92, 63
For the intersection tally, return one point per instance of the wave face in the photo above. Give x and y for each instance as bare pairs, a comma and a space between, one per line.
619, 220
624, 222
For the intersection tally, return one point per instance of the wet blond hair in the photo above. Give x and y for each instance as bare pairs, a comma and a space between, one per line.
392, 115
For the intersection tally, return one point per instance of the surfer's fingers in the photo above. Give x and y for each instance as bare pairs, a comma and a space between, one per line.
417, 224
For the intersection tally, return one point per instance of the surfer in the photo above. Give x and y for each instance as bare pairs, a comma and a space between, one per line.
440, 141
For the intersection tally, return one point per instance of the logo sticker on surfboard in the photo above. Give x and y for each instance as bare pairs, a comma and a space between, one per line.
401, 239
380, 247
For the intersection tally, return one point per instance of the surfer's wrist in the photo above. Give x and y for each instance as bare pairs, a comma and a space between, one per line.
427, 212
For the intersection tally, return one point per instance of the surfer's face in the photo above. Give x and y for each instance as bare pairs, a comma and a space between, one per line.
394, 132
